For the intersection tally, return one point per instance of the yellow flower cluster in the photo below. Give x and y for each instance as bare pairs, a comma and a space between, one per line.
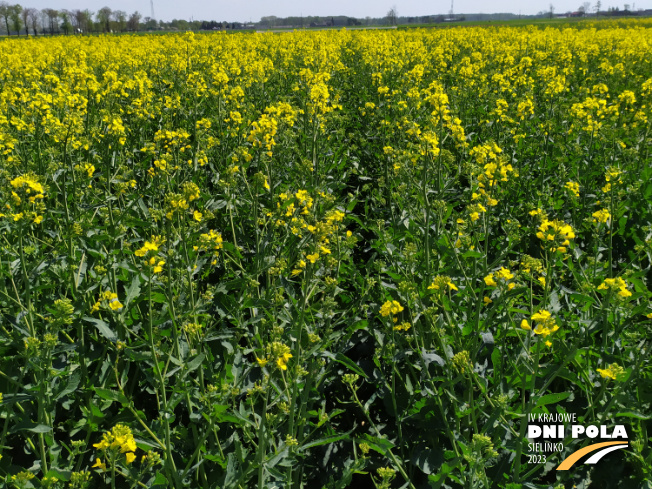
323, 230
442, 283
27, 194
153, 245
500, 278
166, 146
617, 285
107, 298
262, 133
475, 210
87, 168
612, 177
495, 168
176, 203
404, 326
591, 113
119, 440
545, 324
278, 353
210, 242
556, 234
601, 216
391, 308
573, 188
149, 251
305, 200
613, 371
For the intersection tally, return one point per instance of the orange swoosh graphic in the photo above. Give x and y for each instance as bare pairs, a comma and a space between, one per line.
575, 456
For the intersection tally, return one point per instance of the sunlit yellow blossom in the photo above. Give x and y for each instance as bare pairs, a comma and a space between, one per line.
282, 361
442, 282
390, 307
545, 323
119, 440
617, 285
107, 298
601, 216
153, 245
404, 326
313, 258
489, 280
556, 235
29, 184
613, 371
500, 277
574, 188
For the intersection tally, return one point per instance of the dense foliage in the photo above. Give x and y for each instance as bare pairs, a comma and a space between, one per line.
319, 259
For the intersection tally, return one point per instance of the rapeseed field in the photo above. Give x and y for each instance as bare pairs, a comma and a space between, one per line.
326, 259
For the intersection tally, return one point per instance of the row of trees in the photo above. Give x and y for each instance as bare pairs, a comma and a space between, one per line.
585, 9
14, 19
17, 19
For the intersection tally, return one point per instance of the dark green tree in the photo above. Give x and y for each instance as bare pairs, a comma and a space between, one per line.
66, 25
104, 18
134, 21
15, 12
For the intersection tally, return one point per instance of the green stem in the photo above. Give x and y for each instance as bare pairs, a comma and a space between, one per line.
261, 441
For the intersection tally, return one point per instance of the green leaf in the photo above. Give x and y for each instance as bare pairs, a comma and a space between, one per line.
380, 445
195, 362
103, 328
633, 414
133, 290
552, 398
29, 426
110, 395
347, 362
59, 474
428, 460
325, 441
472, 254
71, 386
160, 480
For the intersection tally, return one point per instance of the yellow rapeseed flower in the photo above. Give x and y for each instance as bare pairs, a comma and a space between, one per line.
617, 285
282, 361
573, 187
545, 323
613, 371
390, 307
601, 216
313, 258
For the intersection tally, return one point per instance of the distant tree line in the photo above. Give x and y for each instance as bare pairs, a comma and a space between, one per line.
16, 20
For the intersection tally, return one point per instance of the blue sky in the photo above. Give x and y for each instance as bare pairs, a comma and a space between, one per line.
238, 10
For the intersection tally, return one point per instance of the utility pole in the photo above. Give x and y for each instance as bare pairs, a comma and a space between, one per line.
151, 4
